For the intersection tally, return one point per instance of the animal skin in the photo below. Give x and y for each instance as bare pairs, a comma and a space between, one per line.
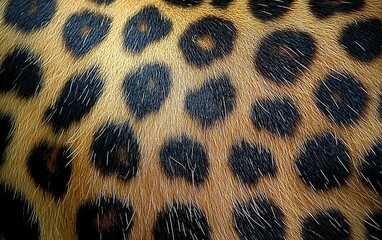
191, 119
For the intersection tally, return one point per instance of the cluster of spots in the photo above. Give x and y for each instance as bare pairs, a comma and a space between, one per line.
185, 158
50, 167
105, 218
259, 218
341, 98
21, 73
181, 221
323, 162
76, 100
329, 224
326, 8
115, 150
17, 220
6, 133
146, 89
146, 27
250, 162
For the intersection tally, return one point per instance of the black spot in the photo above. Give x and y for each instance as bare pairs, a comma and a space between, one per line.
76, 100
326, 8
221, 3
373, 225
278, 116
380, 107
371, 167
29, 15
363, 39
17, 219
6, 134
284, 54
146, 89
50, 167
213, 101
219, 35
105, 218
115, 150
250, 162
21, 72
323, 162
107, 2
84, 31
184, 3
144, 28
259, 218
341, 98
185, 158
267, 10
329, 225
180, 221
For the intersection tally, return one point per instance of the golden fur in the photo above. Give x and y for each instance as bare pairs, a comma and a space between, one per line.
151, 190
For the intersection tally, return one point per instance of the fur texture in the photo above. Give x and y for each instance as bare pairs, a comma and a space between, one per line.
274, 109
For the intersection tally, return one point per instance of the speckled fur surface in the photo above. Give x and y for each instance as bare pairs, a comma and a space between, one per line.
160, 119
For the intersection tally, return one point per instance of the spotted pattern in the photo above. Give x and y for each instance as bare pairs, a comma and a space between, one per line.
259, 218
323, 162
187, 221
329, 224
50, 167
76, 100
213, 101
146, 27
84, 31
17, 218
30, 15
185, 158
115, 150
20, 72
146, 89
219, 35
105, 218
341, 98
250, 162
283, 55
